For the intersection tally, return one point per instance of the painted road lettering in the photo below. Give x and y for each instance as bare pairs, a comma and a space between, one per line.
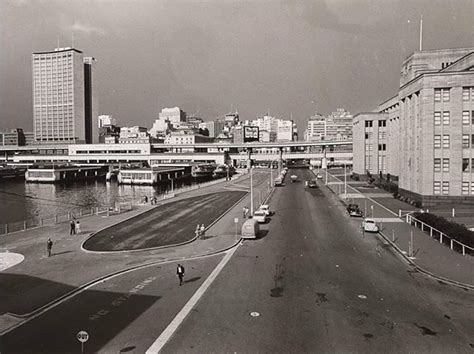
122, 298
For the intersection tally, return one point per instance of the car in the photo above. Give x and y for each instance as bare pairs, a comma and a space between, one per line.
260, 216
312, 184
353, 210
266, 209
369, 225
318, 176
278, 182
294, 178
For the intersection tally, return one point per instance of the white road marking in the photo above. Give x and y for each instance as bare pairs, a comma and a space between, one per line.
176, 322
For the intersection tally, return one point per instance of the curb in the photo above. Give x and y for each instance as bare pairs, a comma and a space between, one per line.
414, 265
91, 283
423, 270
158, 247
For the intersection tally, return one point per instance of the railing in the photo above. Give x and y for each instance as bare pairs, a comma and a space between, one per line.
440, 236
117, 208
72, 214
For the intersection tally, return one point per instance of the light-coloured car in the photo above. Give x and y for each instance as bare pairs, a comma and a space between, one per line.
278, 181
369, 225
260, 217
319, 176
266, 209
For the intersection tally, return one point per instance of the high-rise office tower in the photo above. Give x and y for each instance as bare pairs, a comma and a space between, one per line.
65, 99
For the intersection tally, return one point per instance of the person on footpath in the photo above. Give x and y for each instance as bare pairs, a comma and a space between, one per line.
202, 231
180, 273
78, 227
49, 246
73, 227
198, 231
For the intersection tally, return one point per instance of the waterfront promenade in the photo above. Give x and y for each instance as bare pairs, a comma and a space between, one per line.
41, 281
429, 256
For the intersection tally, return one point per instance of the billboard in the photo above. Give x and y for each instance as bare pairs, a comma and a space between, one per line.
250, 133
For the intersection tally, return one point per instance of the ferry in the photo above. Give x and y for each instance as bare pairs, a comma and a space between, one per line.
222, 171
202, 170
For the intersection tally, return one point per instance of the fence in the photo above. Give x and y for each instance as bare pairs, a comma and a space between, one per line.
440, 236
63, 217
77, 213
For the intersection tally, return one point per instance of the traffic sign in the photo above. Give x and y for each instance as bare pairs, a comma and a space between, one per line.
82, 336
236, 220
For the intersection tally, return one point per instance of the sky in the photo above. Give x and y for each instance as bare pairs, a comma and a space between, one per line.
290, 58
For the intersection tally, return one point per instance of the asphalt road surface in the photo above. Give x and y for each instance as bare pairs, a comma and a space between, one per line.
312, 283
316, 285
171, 223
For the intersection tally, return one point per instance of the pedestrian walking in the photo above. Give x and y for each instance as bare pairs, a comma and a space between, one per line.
202, 231
73, 227
180, 273
198, 231
49, 246
244, 212
78, 227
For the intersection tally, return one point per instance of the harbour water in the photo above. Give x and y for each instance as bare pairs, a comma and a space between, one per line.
21, 201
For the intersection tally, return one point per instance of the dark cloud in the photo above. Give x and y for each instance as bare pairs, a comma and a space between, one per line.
207, 56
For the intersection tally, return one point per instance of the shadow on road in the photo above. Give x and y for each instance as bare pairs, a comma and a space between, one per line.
55, 331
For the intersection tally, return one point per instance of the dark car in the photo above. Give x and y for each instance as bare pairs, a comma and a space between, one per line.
353, 210
312, 184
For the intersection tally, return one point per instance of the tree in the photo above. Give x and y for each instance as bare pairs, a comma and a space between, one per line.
204, 131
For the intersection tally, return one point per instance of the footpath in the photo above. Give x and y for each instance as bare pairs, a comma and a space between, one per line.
429, 256
39, 282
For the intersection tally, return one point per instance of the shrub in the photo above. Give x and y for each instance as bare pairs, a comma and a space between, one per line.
454, 230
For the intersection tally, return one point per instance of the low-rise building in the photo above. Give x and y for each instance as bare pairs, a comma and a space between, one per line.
134, 135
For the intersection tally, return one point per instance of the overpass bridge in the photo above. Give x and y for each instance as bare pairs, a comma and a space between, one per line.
155, 154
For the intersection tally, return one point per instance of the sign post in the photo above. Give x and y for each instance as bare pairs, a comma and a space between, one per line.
236, 223
82, 337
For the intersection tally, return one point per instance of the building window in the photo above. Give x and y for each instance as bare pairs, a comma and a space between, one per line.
368, 124
437, 165
446, 141
445, 187
437, 141
465, 165
445, 165
466, 93
465, 141
437, 118
465, 117
437, 187
465, 188
472, 117
441, 95
382, 147
382, 123
446, 118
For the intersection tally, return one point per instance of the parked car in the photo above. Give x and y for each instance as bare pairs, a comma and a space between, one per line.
312, 184
260, 216
369, 225
278, 182
266, 209
319, 176
353, 210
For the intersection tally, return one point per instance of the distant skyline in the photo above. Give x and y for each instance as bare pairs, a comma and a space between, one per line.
289, 57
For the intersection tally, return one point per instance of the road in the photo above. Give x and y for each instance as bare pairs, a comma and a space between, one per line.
313, 283
320, 287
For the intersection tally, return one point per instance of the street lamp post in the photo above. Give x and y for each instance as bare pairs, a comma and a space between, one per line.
345, 182
251, 192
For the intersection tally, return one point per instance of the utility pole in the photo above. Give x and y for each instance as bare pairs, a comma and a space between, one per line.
251, 192
345, 182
